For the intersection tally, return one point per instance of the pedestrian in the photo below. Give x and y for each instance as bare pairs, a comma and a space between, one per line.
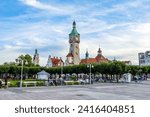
0, 83
6, 81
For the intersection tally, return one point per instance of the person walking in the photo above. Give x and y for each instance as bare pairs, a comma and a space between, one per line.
6, 82
0, 83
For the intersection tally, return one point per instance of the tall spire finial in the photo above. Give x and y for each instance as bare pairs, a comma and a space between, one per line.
74, 24
87, 54
35, 51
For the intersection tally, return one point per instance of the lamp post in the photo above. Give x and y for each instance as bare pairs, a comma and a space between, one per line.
22, 61
90, 66
61, 69
62, 72
21, 73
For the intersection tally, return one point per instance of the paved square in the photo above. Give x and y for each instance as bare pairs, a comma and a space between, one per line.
100, 91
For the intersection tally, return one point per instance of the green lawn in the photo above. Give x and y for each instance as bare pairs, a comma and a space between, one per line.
16, 83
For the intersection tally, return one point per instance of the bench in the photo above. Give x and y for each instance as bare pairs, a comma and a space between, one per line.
3, 83
30, 83
70, 82
66, 82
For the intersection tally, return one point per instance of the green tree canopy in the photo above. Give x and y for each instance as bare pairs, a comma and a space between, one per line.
26, 58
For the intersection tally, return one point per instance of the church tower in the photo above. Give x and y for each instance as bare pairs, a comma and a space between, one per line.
36, 58
73, 56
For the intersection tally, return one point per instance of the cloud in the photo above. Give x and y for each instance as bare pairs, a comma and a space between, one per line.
143, 28
47, 38
53, 9
39, 5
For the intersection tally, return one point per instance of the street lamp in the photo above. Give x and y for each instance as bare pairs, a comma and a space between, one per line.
90, 66
21, 61
62, 72
61, 69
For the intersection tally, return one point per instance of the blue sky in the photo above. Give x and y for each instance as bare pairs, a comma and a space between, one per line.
120, 27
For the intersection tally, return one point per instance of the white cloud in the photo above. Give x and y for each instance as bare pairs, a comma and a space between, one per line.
9, 53
47, 38
54, 9
141, 28
38, 4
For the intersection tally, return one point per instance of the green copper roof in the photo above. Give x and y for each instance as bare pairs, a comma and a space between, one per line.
74, 30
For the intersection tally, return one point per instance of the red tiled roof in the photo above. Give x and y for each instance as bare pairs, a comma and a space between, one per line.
56, 61
69, 55
87, 61
101, 58
97, 59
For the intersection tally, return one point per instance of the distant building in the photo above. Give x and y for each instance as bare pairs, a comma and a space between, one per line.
43, 75
54, 62
49, 62
73, 57
36, 58
127, 62
98, 59
144, 58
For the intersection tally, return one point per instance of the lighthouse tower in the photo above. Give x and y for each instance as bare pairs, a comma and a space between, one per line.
73, 56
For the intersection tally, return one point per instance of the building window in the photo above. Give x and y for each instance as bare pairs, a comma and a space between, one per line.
142, 61
141, 56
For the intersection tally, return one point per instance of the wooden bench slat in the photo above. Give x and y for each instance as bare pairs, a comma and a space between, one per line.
31, 82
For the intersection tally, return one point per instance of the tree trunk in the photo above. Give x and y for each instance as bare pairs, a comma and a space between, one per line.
117, 79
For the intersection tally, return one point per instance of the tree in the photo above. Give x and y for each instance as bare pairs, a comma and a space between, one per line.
4, 69
9, 63
116, 68
101, 68
134, 69
27, 60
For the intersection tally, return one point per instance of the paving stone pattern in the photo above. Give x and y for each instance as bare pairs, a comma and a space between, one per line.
99, 91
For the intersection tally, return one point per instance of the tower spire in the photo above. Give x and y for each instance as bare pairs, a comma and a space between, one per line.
74, 31
74, 24
35, 51
99, 51
87, 54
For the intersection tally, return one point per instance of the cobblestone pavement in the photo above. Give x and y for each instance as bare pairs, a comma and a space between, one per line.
100, 91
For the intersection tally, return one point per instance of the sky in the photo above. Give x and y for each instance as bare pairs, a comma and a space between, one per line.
121, 28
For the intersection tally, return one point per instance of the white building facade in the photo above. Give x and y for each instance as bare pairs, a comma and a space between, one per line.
144, 58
